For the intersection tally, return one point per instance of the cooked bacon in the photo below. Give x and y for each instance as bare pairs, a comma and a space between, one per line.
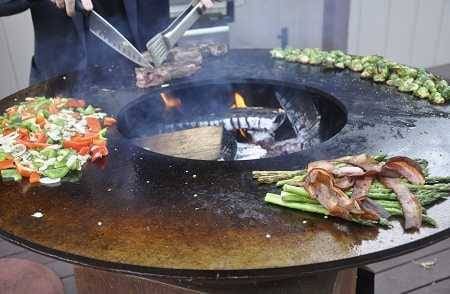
349, 171
372, 210
344, 171
320, 185
344, 183
405, 167
412, 209
322, 164
364, 161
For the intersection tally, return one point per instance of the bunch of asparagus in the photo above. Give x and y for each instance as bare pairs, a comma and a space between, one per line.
407, 79
297, 197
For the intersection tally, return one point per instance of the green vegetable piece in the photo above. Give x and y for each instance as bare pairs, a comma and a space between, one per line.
422, 92
328, 62
103, 133
356, 65
429, 84
2, 155
49, 153
30, 125
11, 175
446, 93
408, 85
278, 53
64, 152
368, 72
340, 65
303, 58
89, 110
441, 85
56, 173
437, 98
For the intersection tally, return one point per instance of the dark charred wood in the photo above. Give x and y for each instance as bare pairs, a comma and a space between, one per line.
252, 119
301, 112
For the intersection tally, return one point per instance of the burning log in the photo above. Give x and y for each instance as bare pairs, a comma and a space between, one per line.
257, 121
304, 122
182, 62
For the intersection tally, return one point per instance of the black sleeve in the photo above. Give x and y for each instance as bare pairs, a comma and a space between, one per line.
10, 7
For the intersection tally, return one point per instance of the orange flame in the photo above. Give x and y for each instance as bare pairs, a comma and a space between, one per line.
239, 101
170, 102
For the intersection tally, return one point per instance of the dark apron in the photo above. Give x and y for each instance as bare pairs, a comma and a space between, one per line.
63, 44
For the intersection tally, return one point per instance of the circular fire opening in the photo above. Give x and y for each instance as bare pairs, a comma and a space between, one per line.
232, 121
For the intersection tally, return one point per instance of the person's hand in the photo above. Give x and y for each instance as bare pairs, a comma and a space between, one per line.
69, 5
207, 3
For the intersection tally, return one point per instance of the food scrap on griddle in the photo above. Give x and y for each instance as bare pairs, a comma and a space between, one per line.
45, 139
361, 188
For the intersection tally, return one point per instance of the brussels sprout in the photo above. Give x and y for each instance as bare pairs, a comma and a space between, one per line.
278, 53
422, 93
441, 85
356, 65
437, 98
408, 85
446, 93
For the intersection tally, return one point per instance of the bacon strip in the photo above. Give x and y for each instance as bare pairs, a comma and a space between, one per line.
371, 208
344, 183
405, 167
364, 161
345, 171
320, 185
412, 209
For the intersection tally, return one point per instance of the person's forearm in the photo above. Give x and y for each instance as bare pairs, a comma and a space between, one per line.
10, 7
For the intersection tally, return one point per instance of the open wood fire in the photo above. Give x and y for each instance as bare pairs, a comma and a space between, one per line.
242, 121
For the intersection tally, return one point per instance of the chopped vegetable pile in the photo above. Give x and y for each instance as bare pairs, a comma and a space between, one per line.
418, 82
363, 189
44, 139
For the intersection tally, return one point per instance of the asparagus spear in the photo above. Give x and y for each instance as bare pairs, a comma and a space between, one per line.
269, 177
314, 208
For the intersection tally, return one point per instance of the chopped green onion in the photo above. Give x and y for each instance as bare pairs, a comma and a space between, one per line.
11, 175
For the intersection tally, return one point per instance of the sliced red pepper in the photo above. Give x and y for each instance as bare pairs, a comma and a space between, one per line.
23, 171
7, 132
24, 134
40, 120
93, 124
84, 150
33, 145
34, 178
7, 163
52, 109
99, 142
76, 103
109, 121
75, 145
41, 138
98, 152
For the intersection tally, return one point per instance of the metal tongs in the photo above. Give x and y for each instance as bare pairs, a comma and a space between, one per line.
159, 46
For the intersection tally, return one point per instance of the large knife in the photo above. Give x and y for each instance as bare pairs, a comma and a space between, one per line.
113, 38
